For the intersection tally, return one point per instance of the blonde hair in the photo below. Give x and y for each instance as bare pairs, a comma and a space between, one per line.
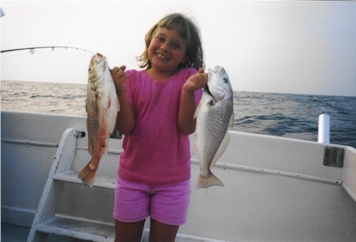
187, 30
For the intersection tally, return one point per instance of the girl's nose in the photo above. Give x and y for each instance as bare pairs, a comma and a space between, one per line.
164, 47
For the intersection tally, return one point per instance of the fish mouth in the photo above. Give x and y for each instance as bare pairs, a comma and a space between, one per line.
98, 57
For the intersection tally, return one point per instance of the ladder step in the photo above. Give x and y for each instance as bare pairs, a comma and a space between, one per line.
72, 177
76, 228
47, 221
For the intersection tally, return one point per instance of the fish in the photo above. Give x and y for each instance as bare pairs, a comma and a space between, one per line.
214, 116
102, 106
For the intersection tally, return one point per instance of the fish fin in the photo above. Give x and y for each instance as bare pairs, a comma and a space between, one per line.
231, 122
205, 182
193, 148
90, 147
89, 144
87, 175
222, 148
197, 111
117, 104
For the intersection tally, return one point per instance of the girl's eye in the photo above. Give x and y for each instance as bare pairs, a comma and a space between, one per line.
176, 46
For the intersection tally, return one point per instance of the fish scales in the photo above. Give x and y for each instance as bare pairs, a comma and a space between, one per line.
217, 124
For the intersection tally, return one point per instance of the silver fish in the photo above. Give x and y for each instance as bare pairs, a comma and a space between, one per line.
214, 116
102, 105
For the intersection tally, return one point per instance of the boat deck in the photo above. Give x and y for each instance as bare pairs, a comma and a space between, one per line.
12, 233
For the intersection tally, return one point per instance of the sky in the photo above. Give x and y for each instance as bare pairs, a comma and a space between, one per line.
303, 47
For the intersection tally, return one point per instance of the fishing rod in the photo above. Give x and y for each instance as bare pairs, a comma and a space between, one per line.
32, 49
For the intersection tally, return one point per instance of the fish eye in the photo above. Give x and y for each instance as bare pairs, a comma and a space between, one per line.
226, 80
89, 69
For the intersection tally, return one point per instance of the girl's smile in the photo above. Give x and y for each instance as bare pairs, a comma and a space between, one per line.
161, 56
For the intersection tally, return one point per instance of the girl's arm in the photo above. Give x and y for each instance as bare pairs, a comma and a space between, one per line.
125, 121
186, 121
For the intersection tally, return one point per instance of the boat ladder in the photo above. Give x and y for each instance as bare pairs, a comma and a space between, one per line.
47, 221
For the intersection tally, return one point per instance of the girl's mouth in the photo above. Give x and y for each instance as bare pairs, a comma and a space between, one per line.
162, 56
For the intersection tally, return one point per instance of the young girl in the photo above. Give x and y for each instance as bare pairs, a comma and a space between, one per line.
157, 107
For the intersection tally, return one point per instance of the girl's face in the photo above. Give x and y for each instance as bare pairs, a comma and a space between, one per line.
167, 50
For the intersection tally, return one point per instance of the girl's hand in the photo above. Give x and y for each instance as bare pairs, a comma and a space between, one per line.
119, 76
186, 121
125, 121
196, 81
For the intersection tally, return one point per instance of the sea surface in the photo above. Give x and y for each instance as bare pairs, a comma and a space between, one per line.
284, 115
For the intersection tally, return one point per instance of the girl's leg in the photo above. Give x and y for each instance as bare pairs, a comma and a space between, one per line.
128, 231
162, 232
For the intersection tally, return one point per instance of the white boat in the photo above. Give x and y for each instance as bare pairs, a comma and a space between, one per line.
276, 189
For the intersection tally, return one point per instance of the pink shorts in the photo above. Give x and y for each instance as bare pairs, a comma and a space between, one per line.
167, 204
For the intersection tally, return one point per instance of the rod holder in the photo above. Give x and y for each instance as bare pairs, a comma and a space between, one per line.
324, 129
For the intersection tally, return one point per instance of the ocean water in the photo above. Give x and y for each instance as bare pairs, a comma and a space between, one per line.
284, 115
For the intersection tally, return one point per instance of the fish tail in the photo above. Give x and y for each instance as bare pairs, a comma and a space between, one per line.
87, 175
205, 182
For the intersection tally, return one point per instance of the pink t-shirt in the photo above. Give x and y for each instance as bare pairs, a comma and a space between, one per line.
156, 152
